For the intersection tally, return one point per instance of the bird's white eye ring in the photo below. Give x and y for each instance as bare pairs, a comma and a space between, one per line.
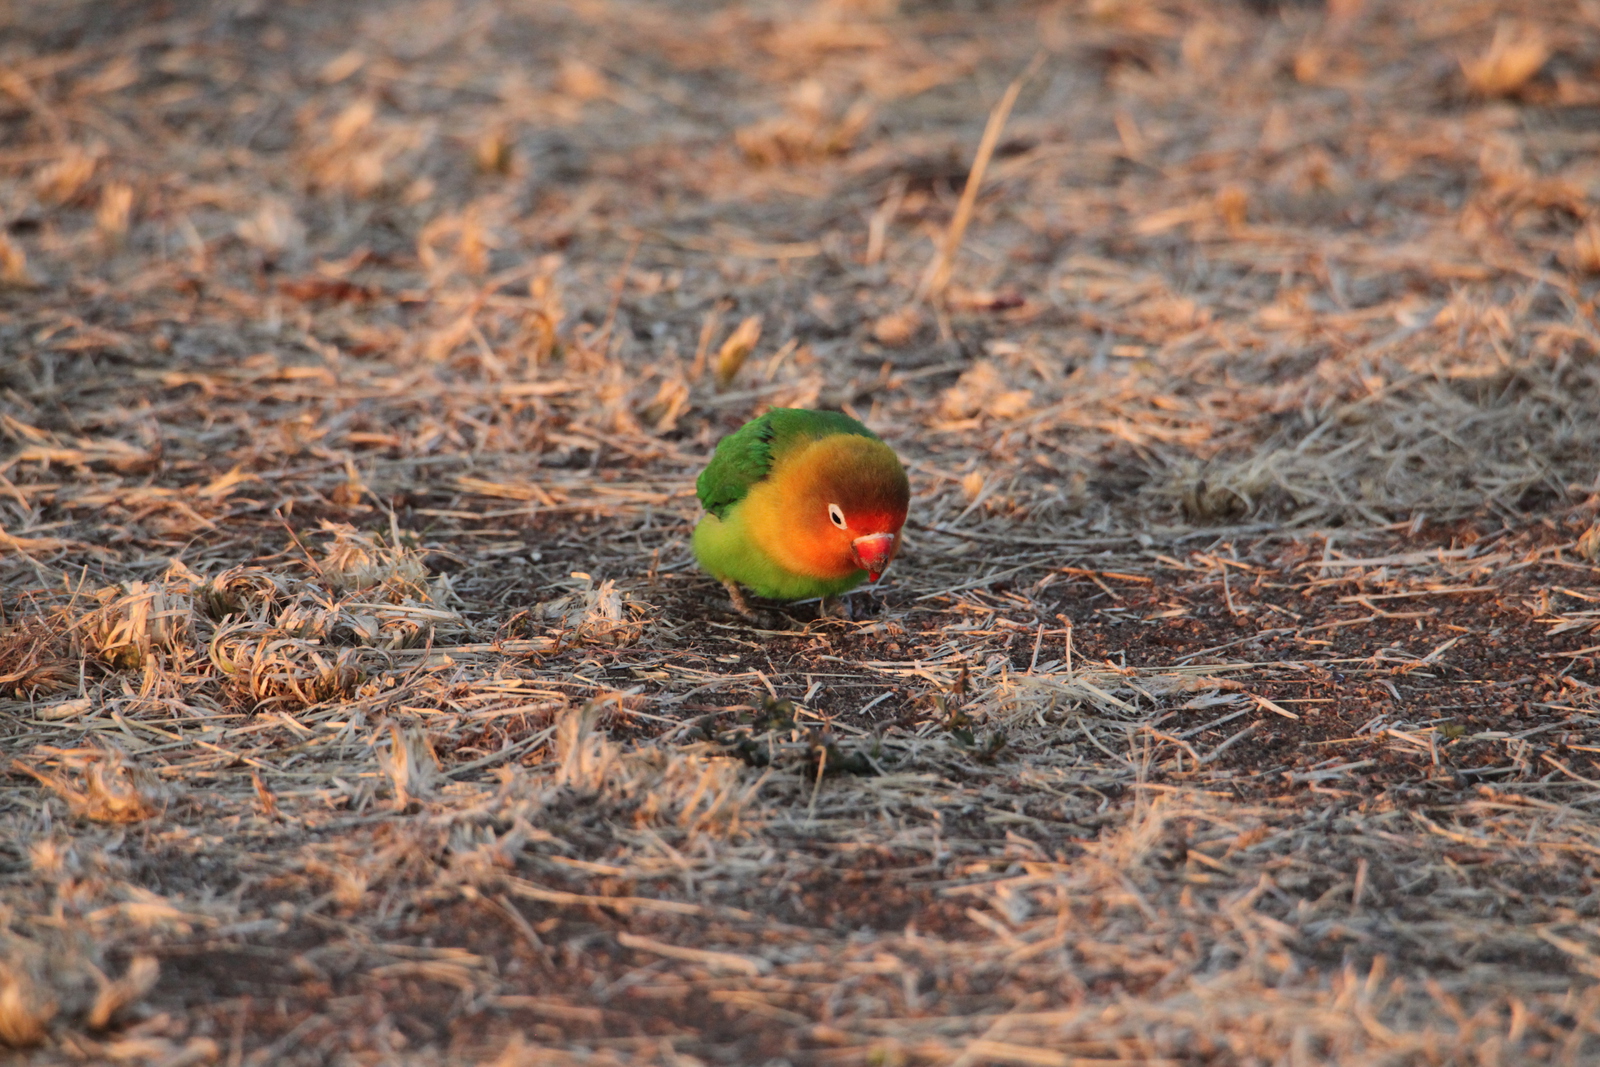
836, 513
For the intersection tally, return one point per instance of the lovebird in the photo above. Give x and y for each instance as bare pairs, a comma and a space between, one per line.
800, 504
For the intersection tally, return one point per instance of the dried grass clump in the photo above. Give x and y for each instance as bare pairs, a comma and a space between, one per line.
601, 612
290, 641
1588, 544
735, 350
1059, 694
100, 784
984, 390
806, 132
269, 638
272, 638
1441, 439
138, 619
582, 81
37, 655
62, 180
411, 764
683, 788
14, 264
262, 667
1219, 493
1585, 254
691, 796
241, 590
396, 612
1513, 57
898, 328
36, 446
355, 150
25, 1008
114, 212
58, 980
273, 229
540, 329
356, 561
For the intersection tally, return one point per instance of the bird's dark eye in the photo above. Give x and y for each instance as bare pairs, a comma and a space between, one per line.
836, 513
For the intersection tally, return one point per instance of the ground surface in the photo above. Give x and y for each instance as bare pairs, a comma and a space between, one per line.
1233, 701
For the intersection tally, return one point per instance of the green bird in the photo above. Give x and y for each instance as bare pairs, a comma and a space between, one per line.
800, 504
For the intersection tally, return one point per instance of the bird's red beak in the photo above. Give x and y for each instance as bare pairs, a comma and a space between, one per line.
873, 553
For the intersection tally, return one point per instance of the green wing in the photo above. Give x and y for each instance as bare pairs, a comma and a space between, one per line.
745, 456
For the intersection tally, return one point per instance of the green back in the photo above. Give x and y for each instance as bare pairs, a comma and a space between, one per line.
745, 456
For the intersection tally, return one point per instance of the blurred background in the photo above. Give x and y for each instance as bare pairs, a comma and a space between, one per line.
1233, 260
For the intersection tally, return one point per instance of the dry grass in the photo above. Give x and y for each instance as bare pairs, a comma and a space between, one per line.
1233, 701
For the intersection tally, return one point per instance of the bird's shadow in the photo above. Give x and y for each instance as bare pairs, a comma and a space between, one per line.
802, 614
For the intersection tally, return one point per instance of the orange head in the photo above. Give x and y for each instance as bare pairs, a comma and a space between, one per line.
836, 505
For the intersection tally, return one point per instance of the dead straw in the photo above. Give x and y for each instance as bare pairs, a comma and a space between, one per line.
937, 277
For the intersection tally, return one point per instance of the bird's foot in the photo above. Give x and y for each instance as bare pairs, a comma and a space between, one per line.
836, 607
739, 603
